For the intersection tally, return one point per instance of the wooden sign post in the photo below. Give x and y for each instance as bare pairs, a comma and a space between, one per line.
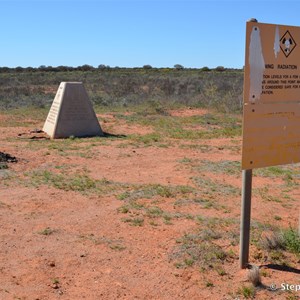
271, 117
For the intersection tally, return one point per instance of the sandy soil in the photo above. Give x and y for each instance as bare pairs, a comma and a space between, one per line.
68, 244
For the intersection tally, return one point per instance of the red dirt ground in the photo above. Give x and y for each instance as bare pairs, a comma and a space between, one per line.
91, 253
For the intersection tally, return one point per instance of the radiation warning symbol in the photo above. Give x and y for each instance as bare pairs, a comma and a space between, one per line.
287, 43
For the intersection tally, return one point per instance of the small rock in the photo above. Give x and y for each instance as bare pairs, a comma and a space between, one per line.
55, 286
51, 264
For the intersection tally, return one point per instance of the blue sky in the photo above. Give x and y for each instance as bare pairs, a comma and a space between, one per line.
161, 33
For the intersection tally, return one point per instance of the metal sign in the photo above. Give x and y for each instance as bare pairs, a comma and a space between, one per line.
271, 134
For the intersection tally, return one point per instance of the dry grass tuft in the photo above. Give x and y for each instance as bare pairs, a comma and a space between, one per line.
254, 275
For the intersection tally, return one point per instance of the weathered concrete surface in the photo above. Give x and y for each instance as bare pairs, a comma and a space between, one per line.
72, 113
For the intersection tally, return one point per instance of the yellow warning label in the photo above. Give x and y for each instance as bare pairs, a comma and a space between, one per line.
271, 95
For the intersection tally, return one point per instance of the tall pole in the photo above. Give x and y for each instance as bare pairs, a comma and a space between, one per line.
245, 218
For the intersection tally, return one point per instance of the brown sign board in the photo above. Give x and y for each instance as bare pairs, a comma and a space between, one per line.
271, 121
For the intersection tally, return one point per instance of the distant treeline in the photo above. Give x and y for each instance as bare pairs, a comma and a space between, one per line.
105, 67
219, 88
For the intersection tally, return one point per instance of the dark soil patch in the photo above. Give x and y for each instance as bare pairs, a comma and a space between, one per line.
5, 158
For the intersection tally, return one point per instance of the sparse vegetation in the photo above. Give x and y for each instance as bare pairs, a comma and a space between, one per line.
292, 240
208, 188
287, 239
69, 182
135, 204
152, 190
200, 248
254, 275
196, 223
114, 244
134, 221
164, 125
278, 171
248, 292
55, 281
3, 166
121, 86
224, 166
75, 183
195, 249
47, 231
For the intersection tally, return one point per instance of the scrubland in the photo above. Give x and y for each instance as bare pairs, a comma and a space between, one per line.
151, 210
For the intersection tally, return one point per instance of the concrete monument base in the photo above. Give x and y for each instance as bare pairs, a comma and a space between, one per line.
72, 113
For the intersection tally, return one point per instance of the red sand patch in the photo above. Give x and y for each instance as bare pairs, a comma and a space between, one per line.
90, 252
188, 112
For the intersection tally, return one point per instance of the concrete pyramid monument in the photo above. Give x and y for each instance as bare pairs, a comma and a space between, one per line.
72, 113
